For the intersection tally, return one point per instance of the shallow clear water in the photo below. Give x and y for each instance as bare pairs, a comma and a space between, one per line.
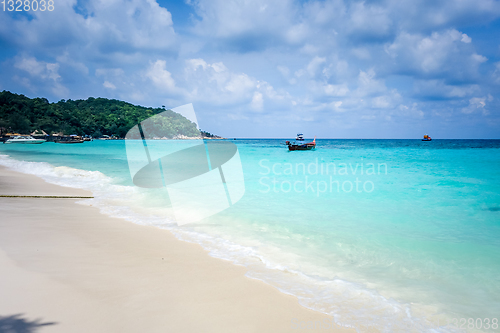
399, 235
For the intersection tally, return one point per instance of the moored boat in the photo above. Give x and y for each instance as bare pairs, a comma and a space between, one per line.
302, 146
25, 139
70, 141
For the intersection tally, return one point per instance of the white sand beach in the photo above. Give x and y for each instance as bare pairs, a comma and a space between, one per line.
67, 268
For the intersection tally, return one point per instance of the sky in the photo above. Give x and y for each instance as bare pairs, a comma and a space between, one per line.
271, 69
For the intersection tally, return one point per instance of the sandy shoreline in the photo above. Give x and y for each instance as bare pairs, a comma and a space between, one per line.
76, 270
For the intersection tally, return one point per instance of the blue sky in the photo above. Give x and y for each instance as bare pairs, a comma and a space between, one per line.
334, 68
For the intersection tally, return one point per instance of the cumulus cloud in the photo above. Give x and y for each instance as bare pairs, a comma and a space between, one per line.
314, 59
336, 89
438, 89
216, 84
40, 72
130, 25
424, 16
496, 73
38, 69
285, 71
477, 104
162, 78
466, 39
368, 85
102, 26
440, 54
369, 21
254, 25
314, 65
109, 85
248, 25
361, 53
257, 101
412, 111
67, 59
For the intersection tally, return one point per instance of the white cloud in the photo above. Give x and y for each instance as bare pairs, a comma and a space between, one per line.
309, 49
336, 90
477, 104
336, 106
381, 102
496, 73
368, 84
413, 111
215, 83
258, 19
437, 54
67, 59
300, 73
314, 65
239, 84
285, 71
208, 81
161, 78
338, 71
257, 101
41, 73
109, 85
369, 20
466, 39
361, 53
297, 33
389, 100
478, 58
438, 88
110, 72
137, 24
421, 15
374, 59
106, 27
324, 13
38, 69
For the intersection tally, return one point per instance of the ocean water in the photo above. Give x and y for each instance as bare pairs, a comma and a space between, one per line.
383, 235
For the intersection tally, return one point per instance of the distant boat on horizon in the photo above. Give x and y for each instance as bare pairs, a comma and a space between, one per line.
300, 137
427, 138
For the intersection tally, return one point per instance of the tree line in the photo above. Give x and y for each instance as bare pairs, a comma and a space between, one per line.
94, 116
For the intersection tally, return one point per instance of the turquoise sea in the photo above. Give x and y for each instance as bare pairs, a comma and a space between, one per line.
394, 235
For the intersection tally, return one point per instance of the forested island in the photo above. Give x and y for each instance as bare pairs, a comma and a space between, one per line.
91, 117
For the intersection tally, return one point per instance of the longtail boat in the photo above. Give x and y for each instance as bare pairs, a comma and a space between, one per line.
302, 146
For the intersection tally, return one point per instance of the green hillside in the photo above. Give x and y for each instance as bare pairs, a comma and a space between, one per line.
93, 116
